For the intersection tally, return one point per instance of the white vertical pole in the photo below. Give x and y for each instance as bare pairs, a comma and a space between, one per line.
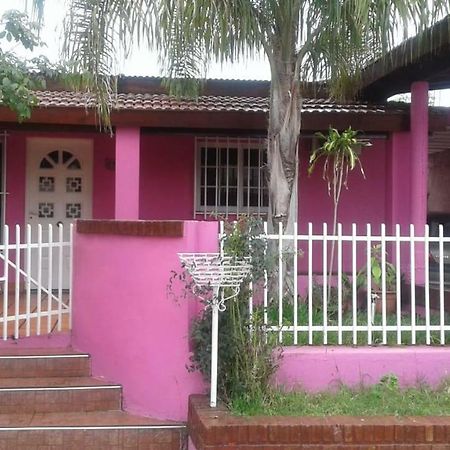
280, 282
398, 272
354, 299
28, 281
339, 269
17, 285
325, 285
369, 284
39, 281
265, 294
427, 284
383, 282
310, 283
205, 178
214, 347
441, 283
295, 284
413, 285
50, 278
70, 273
6, 285
60, 273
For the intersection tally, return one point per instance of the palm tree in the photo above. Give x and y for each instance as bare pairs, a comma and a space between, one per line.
329, 41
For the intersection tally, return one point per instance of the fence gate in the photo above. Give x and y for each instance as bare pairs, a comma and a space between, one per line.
36, 280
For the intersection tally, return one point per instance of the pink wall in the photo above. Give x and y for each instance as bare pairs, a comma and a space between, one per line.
122, 316
104, 184
322, 368
439, 183
364, 201
103, 173
167, 181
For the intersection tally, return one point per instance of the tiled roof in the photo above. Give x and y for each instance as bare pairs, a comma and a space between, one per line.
164, 102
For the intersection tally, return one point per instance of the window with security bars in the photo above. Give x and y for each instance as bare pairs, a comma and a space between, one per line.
231, 176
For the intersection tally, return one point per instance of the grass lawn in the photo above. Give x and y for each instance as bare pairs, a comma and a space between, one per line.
347, 319
382, 399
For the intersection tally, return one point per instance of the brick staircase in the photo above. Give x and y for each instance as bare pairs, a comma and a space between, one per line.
49, 401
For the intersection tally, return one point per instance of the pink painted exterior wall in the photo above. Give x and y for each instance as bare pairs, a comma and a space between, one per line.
127, 173
103, 176
137, 336
323, 368
167, 183
166, 187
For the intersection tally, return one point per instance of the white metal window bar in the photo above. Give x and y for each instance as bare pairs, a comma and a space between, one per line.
222, 275
229, 176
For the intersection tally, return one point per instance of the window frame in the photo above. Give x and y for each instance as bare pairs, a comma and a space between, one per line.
241, 144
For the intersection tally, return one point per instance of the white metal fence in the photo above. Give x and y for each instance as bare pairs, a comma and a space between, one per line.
382, 288
36, 268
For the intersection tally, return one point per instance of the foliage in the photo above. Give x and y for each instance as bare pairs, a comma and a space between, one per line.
382, 399
376, 265
19, 77
246, 358
304, 40
340, 154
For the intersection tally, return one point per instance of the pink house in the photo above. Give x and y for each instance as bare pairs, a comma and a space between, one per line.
151, 190
184, 159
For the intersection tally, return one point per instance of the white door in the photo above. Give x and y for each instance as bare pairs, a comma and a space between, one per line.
59, 191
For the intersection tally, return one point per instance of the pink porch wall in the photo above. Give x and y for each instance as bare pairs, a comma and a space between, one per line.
167, 177
103, 176
137, 336
322, 368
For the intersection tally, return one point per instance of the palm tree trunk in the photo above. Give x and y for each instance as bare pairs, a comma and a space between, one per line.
283, 137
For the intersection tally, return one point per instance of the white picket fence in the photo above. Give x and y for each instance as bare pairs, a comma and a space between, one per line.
36, 268
319, 309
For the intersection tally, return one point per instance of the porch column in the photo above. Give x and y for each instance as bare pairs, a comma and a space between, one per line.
419, 168
127, 173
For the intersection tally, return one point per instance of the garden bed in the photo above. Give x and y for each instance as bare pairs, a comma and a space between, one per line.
217, 428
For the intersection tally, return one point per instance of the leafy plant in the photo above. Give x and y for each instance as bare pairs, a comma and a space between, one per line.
340, 155
376, 271
247, 359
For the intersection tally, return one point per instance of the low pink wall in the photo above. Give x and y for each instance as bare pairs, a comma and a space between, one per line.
322, 368
122, 316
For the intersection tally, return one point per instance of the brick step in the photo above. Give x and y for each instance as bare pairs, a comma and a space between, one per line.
43, 363
106, 430
55, 394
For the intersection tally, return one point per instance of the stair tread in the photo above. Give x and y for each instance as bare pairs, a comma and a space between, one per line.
8, 383
39, 352
80, 419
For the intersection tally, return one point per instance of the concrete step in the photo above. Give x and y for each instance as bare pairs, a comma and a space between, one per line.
43, 363
112, 430
56, 394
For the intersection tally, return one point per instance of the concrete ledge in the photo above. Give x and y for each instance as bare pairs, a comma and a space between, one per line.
212, 429
321, 368
151, 228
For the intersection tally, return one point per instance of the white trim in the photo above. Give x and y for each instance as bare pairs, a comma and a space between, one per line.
43, 356
96, 427
59, 388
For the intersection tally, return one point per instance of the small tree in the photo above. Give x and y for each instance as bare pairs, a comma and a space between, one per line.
340, 155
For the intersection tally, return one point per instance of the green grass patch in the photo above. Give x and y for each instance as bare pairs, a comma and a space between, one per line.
347, 320
383, 399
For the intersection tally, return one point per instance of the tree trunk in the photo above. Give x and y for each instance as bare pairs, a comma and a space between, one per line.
283, 137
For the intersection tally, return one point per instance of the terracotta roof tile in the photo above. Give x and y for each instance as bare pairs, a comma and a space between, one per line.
164, 102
